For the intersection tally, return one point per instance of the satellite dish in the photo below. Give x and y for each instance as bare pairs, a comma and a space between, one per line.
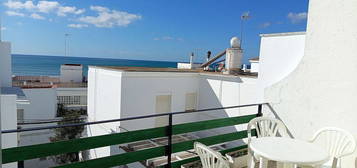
235, 42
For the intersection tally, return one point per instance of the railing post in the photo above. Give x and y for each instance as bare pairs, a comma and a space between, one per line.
169, 142
260, 113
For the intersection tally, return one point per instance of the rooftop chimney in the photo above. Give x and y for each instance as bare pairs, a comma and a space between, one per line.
234, 56
191, 60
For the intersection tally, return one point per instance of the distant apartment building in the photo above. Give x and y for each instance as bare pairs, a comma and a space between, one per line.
44, 93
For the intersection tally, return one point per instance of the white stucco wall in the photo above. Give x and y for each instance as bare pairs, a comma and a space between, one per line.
318, 93
5, 64
8, 121
279, 56
43, 103
104, 100
71, 73
120, 94
183, 65
223, 91
43, 106
254, 66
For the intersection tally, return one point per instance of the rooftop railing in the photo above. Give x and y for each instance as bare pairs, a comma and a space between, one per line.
16, 154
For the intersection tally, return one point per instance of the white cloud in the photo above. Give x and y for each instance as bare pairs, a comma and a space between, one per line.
19, 5
43, 7
37, 16
13, 13
99, 9
168, 38
3, 28
109, 18
78, 26
265, 25
297, 17
47, 6
64, 10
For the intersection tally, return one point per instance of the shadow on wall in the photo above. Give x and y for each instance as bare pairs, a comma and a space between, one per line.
216, 92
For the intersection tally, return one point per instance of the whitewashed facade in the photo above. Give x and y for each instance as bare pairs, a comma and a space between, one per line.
8, 101
115, 93
71, 73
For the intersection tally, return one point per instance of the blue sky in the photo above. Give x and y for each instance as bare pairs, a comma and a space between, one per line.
144, 29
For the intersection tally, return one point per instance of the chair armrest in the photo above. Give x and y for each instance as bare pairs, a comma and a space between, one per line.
229, 158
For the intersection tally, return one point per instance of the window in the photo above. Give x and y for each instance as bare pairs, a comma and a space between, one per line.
69, 100
191, 101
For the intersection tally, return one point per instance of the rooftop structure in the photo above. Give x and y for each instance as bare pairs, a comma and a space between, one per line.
71, 73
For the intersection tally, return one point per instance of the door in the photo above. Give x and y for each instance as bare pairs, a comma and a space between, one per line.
163, 105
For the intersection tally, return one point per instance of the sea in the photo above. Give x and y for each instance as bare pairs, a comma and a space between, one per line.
39, 65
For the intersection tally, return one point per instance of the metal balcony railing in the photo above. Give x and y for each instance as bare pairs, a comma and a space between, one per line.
62, 147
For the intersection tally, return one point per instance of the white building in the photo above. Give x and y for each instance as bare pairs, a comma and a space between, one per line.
254, 65
5, 64
71, 73
128, 92
43, 107
10, 98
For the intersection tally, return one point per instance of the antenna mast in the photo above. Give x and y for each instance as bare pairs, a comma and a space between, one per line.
245, 16
66, 44
0, 29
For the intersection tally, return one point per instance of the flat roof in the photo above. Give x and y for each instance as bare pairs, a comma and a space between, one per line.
175, 70
282, 34
254, 59
72, 64
21, 97
148, 69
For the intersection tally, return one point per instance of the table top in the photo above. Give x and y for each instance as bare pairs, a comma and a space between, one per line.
288, 150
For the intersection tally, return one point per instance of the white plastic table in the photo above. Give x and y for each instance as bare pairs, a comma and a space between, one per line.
286, 150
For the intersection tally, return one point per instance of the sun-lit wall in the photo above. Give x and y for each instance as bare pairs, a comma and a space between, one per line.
322, 90
5, 64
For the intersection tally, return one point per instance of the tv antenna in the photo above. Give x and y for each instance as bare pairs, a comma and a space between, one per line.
245, 16
66, 44
1, 29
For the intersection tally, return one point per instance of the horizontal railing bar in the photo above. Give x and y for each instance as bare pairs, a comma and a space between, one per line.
187, 145
145, 154
178, 164
75, 145
117, 160
210, 124
124, 119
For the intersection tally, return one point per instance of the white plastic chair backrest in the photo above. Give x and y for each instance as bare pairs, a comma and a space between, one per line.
336, 141
209, 157
266, 127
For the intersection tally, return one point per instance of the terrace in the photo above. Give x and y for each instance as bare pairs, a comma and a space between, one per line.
168, 146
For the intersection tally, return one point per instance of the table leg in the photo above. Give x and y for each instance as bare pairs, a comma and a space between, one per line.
251, 161
263, 163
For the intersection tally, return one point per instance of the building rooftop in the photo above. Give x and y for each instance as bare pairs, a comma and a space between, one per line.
254, 59
282, 34
21, 97
148, 69
73, 64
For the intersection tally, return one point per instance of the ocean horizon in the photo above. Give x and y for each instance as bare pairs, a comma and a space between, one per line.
43, 65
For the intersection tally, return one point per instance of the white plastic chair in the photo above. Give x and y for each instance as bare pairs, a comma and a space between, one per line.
265, 127
337, 142
210, 158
